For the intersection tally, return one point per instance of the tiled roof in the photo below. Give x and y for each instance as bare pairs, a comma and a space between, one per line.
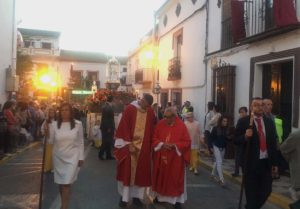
82, 56
26, 32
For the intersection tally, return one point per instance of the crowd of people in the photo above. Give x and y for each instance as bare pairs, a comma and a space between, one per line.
21, 123
153, 147
176, 139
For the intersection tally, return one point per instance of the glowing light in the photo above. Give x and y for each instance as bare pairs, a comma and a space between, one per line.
46, 79
148, 57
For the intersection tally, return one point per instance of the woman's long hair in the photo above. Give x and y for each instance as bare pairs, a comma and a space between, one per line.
59, 119
222, 130
49, 119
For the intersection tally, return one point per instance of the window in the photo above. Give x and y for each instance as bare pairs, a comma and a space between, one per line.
165, 20
226, 41
164, 98
178, 9
92, 76
27, 43
177, 42
224, 89
176, 98
46, 45
76, 78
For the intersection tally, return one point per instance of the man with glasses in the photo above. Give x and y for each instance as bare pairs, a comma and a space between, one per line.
133, 150
171, 144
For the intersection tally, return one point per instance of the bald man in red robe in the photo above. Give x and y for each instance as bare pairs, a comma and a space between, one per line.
133, 150
171, 144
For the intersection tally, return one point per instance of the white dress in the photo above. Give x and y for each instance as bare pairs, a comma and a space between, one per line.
68, 149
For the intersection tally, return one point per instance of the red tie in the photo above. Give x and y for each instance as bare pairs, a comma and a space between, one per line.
262, 138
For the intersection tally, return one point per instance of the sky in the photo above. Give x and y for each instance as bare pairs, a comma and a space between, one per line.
113, 27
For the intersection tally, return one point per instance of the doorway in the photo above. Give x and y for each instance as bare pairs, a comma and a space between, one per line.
278, 86
164, 98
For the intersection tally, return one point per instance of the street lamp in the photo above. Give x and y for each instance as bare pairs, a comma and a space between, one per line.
156, 90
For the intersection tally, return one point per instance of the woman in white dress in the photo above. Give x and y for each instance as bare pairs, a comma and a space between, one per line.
66, 134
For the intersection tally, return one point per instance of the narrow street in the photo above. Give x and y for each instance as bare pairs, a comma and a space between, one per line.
20, 180
96, 186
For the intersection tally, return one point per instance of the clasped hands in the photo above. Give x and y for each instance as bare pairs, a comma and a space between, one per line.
131, 147
168, 146
249, 133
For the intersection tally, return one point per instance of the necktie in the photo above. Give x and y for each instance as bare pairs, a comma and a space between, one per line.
261, 135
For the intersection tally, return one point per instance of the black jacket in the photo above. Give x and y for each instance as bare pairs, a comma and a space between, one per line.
254, 150
107, 120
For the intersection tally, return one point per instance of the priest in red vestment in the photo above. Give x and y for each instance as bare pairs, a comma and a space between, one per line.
133, 150
171, 144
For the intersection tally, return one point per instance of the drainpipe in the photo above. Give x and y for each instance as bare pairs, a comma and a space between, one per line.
206, 51
204, 84
14, 44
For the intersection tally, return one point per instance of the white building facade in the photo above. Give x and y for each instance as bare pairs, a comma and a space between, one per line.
7, 44
76, 70
255, 52
178, 42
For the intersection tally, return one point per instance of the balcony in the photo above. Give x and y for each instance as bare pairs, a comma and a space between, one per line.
40, 52
256, 20
174, 69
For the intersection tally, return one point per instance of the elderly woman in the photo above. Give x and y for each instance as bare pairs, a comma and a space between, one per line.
193, 127
66, 135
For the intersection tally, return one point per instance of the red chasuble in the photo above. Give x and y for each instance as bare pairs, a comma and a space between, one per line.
168, 166
126, 129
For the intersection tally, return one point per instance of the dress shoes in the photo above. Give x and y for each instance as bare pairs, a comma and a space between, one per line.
137, 202
177, 205
122, 204
155, 201
235, 174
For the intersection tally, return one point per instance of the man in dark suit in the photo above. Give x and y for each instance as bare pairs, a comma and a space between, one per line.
257, 135
107, 129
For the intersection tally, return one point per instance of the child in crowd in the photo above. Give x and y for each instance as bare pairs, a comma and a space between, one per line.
97, 137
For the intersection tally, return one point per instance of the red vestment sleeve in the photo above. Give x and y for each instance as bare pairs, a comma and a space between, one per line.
125, 131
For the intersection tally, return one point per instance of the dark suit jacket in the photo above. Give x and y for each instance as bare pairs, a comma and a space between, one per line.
254, 150
107, 121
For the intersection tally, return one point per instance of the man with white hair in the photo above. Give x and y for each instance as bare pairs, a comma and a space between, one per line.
171, 145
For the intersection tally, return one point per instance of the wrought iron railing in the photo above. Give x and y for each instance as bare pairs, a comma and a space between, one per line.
174, 69
259, 16
258, 19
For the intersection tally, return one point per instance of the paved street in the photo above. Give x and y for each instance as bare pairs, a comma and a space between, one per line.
20, 180
96, 186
